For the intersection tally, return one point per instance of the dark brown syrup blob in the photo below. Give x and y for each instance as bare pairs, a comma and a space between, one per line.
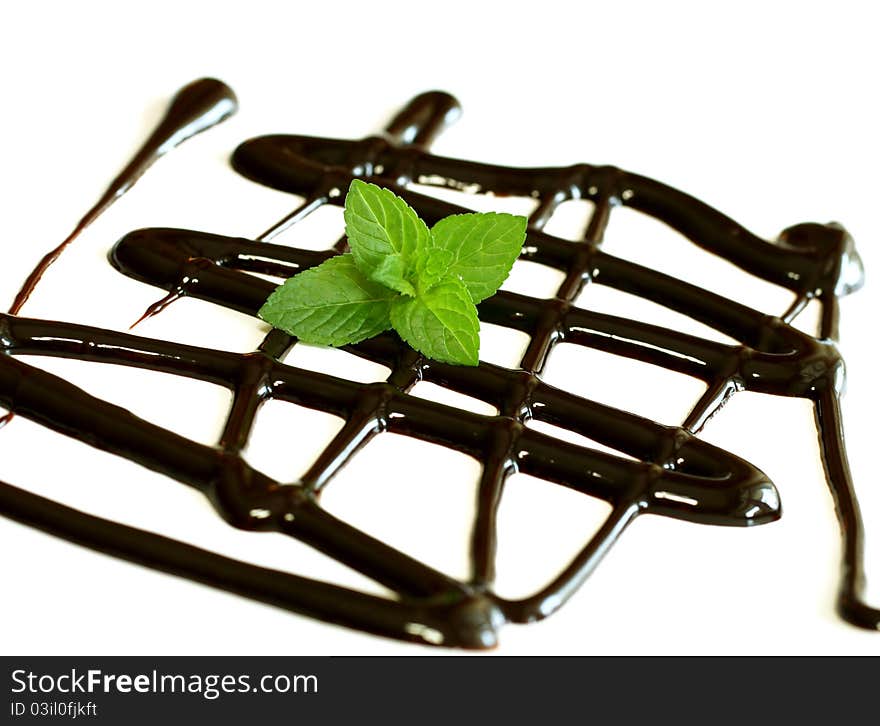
197, 107
674, 473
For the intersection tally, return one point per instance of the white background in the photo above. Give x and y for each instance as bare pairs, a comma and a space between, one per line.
767, 112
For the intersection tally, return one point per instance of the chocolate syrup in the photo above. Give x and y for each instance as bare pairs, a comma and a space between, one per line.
675, 473
195, 108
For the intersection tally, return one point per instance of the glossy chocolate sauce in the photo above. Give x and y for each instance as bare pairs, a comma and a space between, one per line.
675, 474
195, 108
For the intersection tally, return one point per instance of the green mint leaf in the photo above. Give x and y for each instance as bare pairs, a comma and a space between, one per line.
433, 266
391, 272
440, 323
425, 283
483, 247
331, 304
379, 224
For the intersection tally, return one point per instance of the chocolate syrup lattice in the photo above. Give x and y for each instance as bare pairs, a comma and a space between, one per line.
675, 474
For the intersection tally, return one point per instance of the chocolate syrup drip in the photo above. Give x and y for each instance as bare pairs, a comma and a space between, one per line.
676, 474
195, 108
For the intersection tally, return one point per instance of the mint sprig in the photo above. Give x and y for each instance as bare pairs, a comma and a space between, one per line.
425, 283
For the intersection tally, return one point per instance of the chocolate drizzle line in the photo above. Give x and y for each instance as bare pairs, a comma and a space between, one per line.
195, 108
675, 474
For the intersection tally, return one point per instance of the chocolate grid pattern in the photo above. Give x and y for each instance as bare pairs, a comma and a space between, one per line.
517, 394
676, 474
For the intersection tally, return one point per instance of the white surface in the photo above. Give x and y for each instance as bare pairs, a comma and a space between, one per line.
769, 114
